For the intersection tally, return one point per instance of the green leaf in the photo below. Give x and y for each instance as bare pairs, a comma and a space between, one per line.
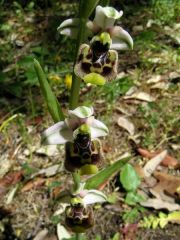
129, 178
53, 185
131, 216
112, 198
26, 61
132, 198
116, 236
163, 222
155, 223
174, 217
3, 77
15, 89
28, 170
51, 101
101, 177
104, 3
86, 7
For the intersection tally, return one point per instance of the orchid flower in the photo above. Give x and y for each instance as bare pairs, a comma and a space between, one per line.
79, 216
64, 131
104, 21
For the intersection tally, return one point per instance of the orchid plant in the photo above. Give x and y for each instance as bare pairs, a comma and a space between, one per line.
95, 62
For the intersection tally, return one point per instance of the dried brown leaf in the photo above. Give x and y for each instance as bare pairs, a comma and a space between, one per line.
154, 79
167, 184
33, 184
168, 161
9, 180
139, 170
152, 164
160, 85
141, 96
126, 124
41, 235
5, 164
158, 203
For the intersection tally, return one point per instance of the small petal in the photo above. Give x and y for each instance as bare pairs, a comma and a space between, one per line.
98, 129
59, 133
69, 27
84, 129
106, 16
81, 112
94, 196
93, 27
121, 39
74, 122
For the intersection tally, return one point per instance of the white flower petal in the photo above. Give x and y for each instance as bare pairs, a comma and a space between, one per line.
121, 37
111, 12
59, 133
70, 32
69, 27
81, 112
94, 196
98, 129
117, 45
105, 17
71, 22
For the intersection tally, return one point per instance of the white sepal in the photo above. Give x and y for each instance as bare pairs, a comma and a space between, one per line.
94, 196
69, 27
59, 133
98, 129
70, 32
121, 39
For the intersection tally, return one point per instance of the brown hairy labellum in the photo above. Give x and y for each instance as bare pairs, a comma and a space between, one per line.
82, 151
96, 59
79, 218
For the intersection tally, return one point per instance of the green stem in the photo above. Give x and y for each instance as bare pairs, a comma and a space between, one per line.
85, 9
76, 179
104, 2
78, 236
76, 82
